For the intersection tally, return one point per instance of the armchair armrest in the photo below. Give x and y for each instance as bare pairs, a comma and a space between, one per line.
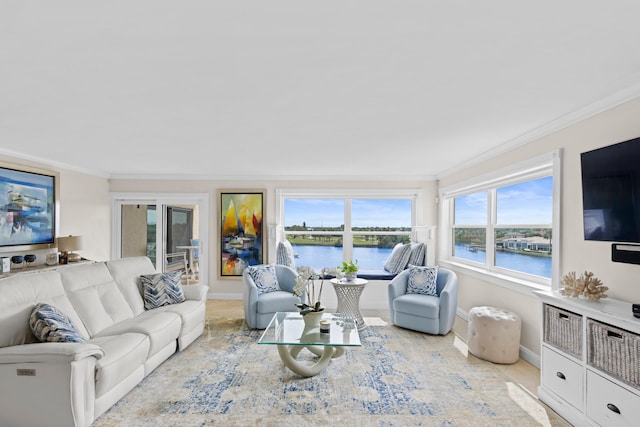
397, 287
448, 301
49, 352
195, 292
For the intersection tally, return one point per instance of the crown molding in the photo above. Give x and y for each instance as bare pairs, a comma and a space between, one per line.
47, 163
600, 106
289, 178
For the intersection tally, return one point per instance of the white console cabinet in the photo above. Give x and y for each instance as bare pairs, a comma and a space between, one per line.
590, 360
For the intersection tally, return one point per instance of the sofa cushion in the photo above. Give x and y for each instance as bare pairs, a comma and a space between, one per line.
18, 295
265, 278
422, 280
95, 296
418, 305
127, 272
124, 354
162, 289
49, 324
162, 328
191, 314
397, 261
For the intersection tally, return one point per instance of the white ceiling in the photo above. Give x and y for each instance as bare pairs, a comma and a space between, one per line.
270, 89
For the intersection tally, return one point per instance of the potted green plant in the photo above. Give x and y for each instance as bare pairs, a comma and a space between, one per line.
349, 269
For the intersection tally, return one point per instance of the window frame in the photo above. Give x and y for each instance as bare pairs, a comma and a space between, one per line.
541, 166
347, 195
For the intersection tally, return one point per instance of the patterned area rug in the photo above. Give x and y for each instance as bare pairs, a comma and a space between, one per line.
397, 378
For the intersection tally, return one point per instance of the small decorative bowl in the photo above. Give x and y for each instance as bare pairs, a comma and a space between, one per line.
17, 259
29, 258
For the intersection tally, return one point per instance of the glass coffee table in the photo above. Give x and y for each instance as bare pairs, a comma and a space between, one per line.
288, 332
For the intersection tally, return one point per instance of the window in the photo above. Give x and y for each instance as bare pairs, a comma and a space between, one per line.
326, 228
504, 223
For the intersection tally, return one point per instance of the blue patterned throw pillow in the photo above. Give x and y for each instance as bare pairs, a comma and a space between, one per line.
417, 253
264, 276
49, 324
162, 289
397, 261
422, 280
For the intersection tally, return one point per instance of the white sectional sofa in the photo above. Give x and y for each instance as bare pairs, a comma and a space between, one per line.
72, 384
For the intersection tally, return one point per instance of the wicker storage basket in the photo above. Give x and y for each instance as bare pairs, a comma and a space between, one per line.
614, 351
563, 329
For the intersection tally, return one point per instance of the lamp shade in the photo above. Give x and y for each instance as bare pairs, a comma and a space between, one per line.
70, 243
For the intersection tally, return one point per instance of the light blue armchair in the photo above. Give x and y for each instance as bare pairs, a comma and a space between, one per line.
424, 313
259, 308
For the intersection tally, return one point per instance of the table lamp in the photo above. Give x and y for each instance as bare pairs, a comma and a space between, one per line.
66, 245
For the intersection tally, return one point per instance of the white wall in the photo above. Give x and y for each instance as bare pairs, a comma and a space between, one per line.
85, 210
576, 254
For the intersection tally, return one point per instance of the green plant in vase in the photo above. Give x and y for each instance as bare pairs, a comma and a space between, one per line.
349, 269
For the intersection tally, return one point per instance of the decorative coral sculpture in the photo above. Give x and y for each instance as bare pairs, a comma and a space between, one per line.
586, 285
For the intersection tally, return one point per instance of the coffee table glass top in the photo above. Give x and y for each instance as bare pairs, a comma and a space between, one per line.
287, 328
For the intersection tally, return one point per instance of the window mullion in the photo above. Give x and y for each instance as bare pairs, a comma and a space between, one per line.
491, 234
347, 234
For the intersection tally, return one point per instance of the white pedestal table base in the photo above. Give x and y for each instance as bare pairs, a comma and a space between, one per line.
289, 355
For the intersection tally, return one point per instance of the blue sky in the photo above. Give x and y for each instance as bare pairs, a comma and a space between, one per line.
365, 212
529, 202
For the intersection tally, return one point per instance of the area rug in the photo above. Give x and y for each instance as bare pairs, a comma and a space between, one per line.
396, 378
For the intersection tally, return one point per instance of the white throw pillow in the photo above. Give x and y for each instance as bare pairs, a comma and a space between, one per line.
422, 280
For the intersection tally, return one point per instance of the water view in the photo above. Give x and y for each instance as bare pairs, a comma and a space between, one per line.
530, 264
319, 257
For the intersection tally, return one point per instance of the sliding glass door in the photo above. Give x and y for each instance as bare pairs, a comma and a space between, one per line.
179, 228
155, 227
138, 230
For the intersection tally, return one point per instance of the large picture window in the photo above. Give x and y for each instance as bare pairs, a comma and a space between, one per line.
326, 228
504, 224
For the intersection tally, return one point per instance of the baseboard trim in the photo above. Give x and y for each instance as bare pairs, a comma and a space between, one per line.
218, 295
530, 356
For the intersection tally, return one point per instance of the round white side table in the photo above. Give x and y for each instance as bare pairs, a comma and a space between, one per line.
348, 294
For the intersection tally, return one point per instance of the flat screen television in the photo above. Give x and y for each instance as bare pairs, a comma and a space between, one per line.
611, 192
27, 209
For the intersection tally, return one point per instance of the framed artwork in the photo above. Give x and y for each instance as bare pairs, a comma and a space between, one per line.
241, 228
27, 208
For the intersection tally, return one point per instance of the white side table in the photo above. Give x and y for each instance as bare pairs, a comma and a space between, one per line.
348, 294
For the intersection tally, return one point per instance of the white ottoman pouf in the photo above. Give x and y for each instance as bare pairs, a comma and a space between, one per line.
494, 334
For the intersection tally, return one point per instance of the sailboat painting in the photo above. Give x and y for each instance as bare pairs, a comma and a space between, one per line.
241, 231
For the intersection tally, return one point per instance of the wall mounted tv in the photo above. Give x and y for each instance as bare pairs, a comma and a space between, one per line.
611, 192
27, 209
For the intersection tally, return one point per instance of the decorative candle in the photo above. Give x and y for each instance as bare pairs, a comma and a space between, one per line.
325, 325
